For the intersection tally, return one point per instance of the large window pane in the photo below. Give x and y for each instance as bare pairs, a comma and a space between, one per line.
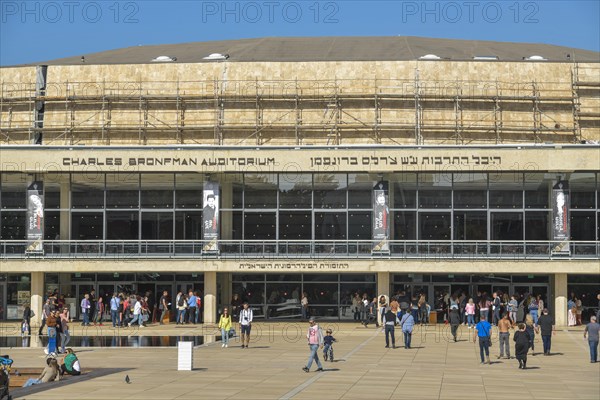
536, 225
537, 187
506, 190
405, 225
259, 226
404, 187
295, 190
330, 190
470, 190
295, 225
583, 190
321, 293
52, 225
188, 225
435, 190
260, 190
157, 190
470, 225
582, 226
434, 226
359, 225
252, 292
13, 225
157, 225
360, 190
330, 225
122, 190
122, 225
87, 191
188, 190
13, 191
507, 226
233, 183
231, 225
87, 225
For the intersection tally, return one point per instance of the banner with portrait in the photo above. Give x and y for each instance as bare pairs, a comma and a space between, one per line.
381, 218
35, 218
210, 218
560, 217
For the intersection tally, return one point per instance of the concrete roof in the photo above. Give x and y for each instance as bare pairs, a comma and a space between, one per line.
348, 48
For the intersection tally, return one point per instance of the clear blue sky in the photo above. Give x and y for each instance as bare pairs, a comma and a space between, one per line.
41, 30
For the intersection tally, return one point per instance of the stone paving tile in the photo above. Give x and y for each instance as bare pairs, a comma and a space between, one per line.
435, 368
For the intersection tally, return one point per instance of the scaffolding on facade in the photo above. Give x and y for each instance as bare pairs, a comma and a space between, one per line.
259, 112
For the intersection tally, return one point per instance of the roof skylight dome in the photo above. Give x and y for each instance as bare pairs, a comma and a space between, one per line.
164, 59
535, 58
430, 57
216, 56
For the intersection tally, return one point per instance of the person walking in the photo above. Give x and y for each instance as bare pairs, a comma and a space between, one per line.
454, 318
99, 311
46, 310
545, 326
495, 309
503, 327
390, 319
246, 316
530, 330
65, 335
483, 330
114, 310
181, 306
591, 333
163, 306
521, 340
407, 324
484, 306
315, 340
533, 310
137, 313
422, 304
470, 311
513, 307
225, 325
85, 309
304, 306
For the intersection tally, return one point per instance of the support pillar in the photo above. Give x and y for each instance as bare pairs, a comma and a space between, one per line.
210, 297
383, 283
561, 296
37, 296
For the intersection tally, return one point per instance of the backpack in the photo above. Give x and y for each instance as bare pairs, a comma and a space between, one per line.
180, 303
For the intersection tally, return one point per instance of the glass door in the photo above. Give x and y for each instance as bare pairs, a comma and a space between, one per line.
441, 294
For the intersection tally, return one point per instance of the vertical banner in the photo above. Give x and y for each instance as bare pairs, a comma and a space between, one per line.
560, 216
35, 218
381, 218
210, 217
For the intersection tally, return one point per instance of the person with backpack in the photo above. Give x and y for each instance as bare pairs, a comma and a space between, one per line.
182, 304
533, 309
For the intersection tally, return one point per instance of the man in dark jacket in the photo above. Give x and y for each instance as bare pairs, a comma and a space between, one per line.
521, 346
454, 321
545, 325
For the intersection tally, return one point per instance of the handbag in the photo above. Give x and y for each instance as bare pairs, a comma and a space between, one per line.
231, 332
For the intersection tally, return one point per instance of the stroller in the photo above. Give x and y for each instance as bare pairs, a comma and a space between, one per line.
5, 364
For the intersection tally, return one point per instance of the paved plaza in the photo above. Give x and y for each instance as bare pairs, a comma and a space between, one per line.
435, 368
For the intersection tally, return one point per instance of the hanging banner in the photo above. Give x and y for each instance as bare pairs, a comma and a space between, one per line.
381, 218
560, 216
35, 218
210, 217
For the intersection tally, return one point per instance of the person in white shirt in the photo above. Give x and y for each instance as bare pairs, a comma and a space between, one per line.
137, 313
246, 324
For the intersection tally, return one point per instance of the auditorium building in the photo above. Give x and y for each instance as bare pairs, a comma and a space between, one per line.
330, 165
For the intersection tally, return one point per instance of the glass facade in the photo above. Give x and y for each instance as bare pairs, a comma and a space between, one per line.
301, 206
277, 296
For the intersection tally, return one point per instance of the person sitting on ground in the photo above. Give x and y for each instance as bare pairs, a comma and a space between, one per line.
49, 374
70, 364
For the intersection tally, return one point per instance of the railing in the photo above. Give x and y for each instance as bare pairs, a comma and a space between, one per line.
310, 249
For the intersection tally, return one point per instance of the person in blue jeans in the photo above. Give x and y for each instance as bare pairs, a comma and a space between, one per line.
407, 324
328, 345
483, 331
114, 310
533, 309
390, 319
315, 340
592, 333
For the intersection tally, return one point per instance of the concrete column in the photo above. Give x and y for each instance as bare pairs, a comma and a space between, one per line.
383, 283
226, 202
37, 296
561, 295
65, 222
210, 297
